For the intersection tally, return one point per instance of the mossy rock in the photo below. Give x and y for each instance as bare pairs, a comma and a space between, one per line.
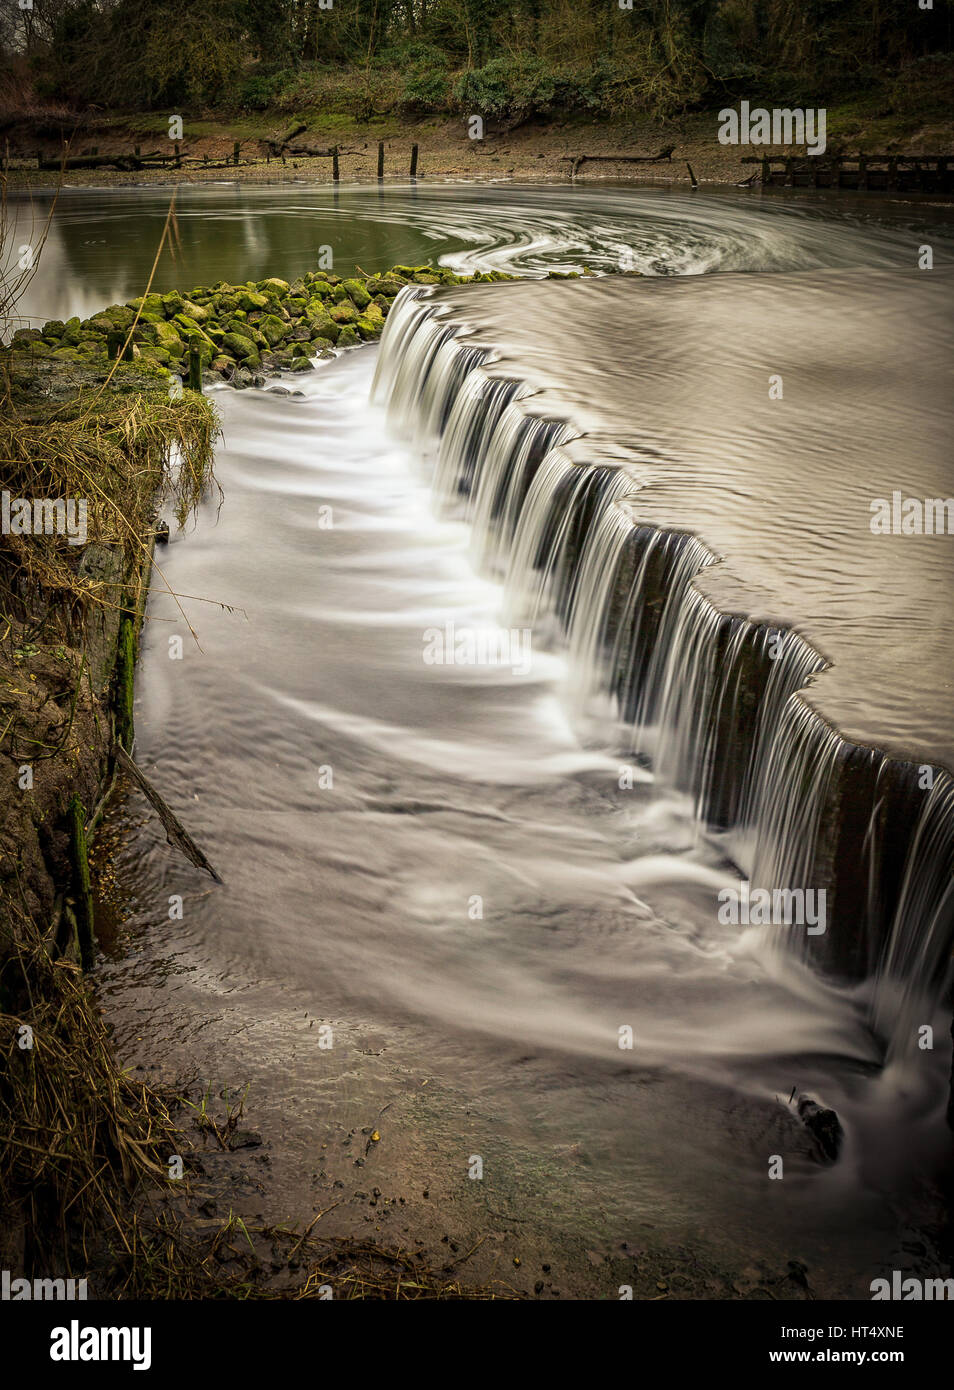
250, 300
273, 329
73, 331
357, 293
168, 338
301, 364
28, 335
296, 305
385, 284
194, 311
236, 345
409, 271
348, 337
221, 363
328, 330
225, 303
188, 327
120, 316
274, 286
151, 352
54, 329
173, 303
375, 313
344, 313
67, 354
367, 329
214, 332
321, 289
149, 304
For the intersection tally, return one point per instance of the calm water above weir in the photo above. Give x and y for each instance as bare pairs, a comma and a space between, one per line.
427, 856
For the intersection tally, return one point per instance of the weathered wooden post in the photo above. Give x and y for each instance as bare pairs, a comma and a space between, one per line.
413, 161
380, 159
195, 364
82, 889
235, 151
334, 164
117, 347
178, 156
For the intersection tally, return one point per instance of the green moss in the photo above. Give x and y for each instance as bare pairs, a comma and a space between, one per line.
357, 293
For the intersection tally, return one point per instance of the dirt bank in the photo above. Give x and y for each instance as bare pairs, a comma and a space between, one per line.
537, 150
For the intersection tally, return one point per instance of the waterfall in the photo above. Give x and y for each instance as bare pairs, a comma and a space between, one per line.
719, 706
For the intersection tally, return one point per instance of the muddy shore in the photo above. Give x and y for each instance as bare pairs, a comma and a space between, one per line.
543, 151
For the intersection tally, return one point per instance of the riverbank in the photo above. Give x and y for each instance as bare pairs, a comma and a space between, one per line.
233, 333
538, 150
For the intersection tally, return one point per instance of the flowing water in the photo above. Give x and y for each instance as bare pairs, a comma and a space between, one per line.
446, 863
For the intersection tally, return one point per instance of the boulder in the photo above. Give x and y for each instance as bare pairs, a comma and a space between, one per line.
824, 1126
356, 293
250, 300
238, 346
167, 337
273, 329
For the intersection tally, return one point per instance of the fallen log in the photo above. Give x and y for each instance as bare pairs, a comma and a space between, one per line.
276, 146
176, 833
92, 161
666, 153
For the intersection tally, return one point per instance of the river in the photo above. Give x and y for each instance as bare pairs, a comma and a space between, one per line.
431, 859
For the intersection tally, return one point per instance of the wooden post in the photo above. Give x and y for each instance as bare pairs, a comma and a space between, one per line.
413, 161
81, 884
136, 150
334, 163
115, 341
380, 159
235, 151
178, 156
125, 681
195, 365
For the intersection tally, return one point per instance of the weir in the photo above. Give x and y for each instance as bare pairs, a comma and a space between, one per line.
702, 552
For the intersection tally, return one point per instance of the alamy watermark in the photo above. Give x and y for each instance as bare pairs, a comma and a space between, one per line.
14, 1290
44, 516
746, 906
912, 1290
467, 646
780, 126
912, 516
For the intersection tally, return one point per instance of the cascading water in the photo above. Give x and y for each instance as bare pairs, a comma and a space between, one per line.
714, 701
